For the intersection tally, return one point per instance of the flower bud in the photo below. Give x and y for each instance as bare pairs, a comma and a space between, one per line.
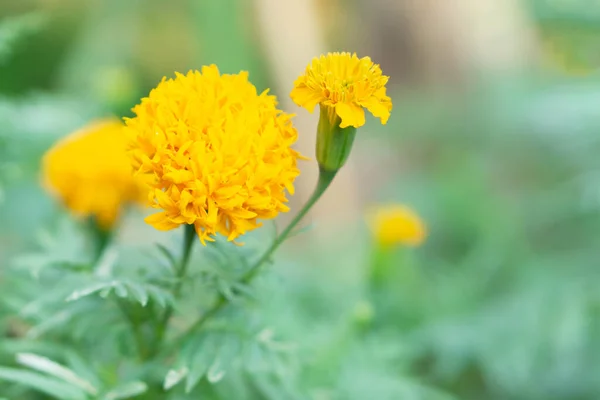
333, 143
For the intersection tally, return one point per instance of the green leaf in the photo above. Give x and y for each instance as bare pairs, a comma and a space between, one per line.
200, 360
50, 367
216, 372
50, 323
81, 366
119, 289
268, 389
174, 377
13, 29
159, 295
225, 289
168, 255
52, 387
140, 292
94, 288
229, 350
127, 391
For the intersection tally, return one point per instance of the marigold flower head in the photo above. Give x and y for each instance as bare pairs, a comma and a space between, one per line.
346, 83
218, 153
396, 224
90, 172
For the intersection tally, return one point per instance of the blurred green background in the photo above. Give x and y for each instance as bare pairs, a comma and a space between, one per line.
494, 140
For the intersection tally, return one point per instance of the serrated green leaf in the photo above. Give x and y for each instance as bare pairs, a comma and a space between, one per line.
174, 377
216, 372
138, 292
120, 289
44, 384
125, 289
200, 359
52, 368
94, 288
229, 350
161, 296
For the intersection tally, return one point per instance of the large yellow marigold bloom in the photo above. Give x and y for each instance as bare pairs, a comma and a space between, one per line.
90, 172
347, 84
218, 153
396, 224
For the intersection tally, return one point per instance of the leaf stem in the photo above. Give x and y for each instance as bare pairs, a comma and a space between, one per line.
325, 179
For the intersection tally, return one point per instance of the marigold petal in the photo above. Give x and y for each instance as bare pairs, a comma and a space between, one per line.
343, 78
379, 108
161, 221
305, 97
210, 144
350, 114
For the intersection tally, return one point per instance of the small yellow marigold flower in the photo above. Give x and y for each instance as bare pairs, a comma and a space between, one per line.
90, 172
347, 84
397, 224
219, 154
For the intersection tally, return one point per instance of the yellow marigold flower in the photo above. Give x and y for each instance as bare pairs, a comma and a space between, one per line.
345, 83
397, 224
219, 153
90, 172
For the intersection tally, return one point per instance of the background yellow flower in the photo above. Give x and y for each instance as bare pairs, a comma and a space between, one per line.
219, 154
396, 224
89, 171
346, 83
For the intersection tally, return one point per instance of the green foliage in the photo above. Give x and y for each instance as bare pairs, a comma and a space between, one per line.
13, 29
500, 303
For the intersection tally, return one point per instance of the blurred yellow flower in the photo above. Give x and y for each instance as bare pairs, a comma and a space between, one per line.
218, 153
396, 224
90, 172
345, 83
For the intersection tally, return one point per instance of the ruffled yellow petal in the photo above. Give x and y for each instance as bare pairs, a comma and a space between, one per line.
305, 97
350, 114
161, 221
217, 154
379, 108
346, 82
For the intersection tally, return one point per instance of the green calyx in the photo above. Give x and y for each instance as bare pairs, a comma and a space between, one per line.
333, 143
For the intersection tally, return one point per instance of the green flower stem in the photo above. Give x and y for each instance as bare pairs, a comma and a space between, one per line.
101, 238
325, 179
188, 242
